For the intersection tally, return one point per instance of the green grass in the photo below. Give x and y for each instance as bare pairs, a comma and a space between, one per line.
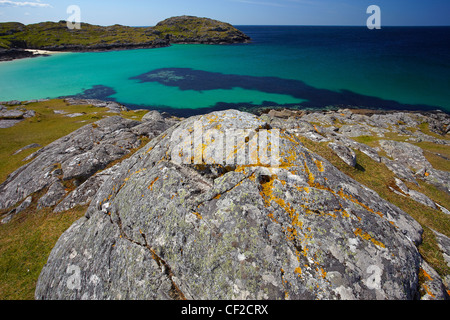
50, 34
25, 244
55, 35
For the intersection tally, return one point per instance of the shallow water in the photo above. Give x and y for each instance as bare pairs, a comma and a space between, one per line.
309, 67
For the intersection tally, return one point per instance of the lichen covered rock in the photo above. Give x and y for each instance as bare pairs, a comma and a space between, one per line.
300, 229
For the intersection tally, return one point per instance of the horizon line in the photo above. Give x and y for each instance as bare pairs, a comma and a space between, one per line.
250, 25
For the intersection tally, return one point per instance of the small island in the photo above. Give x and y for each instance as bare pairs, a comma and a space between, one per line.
17, 40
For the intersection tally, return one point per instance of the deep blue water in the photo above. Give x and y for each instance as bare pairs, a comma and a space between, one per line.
303, 67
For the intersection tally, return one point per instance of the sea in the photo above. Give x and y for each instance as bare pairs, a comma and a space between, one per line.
303, 67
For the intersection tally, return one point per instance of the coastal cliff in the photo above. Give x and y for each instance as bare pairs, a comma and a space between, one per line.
55, 36
356, 209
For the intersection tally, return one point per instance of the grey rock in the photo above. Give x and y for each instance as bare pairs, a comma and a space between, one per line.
54, 195
9, 118
438, 178
444, 245
432, 286
443, 209
421, 198
158, 229
393, 120
405, 153
113, 107
313, 136
74, 115
346, 154
83, 194
11, 103
24, 205
75, 156
356, 130
415, 195
152, 115
439, 123
369, 151
30, 146
400, 170
11, 214
11, 114
8, 216
4, 124
409, 158
151, 128
284, 114
29, 114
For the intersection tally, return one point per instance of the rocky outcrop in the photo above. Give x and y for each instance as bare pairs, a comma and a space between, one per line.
66, 171
13, 54
296, 228
407, 161
10, 117
170, 222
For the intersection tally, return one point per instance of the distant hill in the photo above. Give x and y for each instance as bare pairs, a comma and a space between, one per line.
55, 36
188, 29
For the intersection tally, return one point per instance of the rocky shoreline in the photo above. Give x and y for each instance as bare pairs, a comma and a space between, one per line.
301, 230
14, 54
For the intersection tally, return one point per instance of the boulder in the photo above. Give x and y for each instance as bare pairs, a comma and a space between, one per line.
408, 157
11, 114
296, 228
345, 153
152, 115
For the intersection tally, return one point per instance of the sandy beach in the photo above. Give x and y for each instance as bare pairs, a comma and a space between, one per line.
36, 51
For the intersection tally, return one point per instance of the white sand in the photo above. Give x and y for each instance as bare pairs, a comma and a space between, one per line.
35, 51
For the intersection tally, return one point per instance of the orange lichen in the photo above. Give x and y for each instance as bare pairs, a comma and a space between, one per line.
198, 215
323, 273
150, 187
291, 139
319, 165
366, 236
311, 177
428, 291
356, 201
425, 274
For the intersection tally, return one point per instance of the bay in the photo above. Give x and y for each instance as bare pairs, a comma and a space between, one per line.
304, 67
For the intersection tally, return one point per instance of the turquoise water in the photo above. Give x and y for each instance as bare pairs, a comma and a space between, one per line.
396, 68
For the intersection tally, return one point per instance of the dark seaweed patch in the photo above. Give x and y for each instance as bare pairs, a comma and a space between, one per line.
198, 80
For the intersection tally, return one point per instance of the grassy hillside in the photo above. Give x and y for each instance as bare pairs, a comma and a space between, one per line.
193, 29
57, 36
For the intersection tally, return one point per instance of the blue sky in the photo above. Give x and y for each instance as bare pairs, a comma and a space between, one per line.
237, 12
